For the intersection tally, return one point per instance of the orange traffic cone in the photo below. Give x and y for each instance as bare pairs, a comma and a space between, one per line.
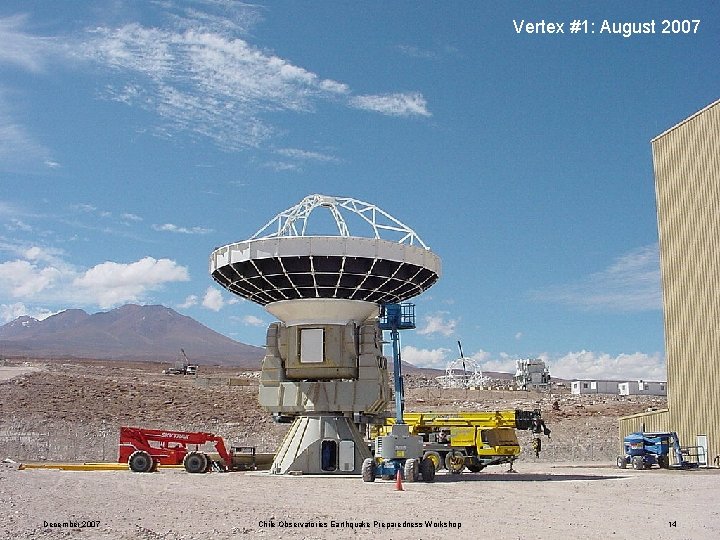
398, 482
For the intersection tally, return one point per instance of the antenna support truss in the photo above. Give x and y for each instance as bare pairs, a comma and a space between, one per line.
293, 221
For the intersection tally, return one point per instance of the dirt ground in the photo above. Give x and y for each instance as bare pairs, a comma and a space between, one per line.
539, 502
72, 411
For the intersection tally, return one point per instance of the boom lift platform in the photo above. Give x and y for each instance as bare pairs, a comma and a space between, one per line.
472, 440
398, 452
144, 449
645, 449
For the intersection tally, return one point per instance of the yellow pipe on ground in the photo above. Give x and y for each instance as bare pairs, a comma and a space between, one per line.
86, 466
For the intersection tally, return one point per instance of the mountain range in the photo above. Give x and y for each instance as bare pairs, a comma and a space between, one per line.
130, 332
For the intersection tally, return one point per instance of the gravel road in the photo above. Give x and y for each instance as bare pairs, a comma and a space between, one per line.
542, 500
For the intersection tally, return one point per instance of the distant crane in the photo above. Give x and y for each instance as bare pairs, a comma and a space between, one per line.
182, 366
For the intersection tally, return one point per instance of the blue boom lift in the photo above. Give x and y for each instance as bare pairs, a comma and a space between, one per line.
398, 452
645, 449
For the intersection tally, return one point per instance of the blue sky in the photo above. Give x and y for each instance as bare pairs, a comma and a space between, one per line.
135, 137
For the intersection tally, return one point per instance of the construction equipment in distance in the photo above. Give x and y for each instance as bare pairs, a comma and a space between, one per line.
472, 440
645, 449
144, 449
398, 452
182, 366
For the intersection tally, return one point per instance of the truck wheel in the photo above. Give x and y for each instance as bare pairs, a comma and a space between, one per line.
427, 470
411, 470
638, 463
621, 462
434, 457
195, 462
140, 461
455, 462
368, 470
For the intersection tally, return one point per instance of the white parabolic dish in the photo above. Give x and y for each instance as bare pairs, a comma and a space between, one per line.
282, 271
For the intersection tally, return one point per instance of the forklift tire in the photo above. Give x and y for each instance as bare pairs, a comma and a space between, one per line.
140, 461
411, 470
195, 462
435, 458
368, 470
455, 461
427, 470
621, 462
638, 463
475, 468
209, 466
663, 462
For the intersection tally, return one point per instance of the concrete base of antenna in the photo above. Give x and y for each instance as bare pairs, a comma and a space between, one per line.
321, 444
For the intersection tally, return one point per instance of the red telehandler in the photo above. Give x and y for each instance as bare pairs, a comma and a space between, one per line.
144, 449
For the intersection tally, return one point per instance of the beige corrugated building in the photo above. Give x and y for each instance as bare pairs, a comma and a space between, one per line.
686, 159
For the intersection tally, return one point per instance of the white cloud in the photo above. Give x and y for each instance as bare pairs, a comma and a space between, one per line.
202, 81
19, 149
437, 324
194, 73
21, 49
630, 283
130, 217
111, 283
10, 312
400, 104
306, 155
41, 277
169, 227
417, 52
45, 254
428, 54
572, 365
252, 320
592, 365
18, 225
503, 363
280, 166
23, 279
427, 358
190, 301
519, 336
83, 207
213, 299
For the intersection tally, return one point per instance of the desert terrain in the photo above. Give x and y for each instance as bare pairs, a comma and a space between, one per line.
71, 410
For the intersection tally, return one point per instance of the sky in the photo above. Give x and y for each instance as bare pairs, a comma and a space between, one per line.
138, 136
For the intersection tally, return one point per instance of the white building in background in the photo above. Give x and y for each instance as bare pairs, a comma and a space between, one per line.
532, 374
630, 388
595, 387
642, 388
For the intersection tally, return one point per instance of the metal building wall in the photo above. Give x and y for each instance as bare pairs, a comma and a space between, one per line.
687, 182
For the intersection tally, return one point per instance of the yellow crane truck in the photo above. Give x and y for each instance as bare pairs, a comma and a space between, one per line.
460, 440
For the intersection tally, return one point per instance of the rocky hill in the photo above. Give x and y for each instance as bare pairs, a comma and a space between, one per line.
130, 332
